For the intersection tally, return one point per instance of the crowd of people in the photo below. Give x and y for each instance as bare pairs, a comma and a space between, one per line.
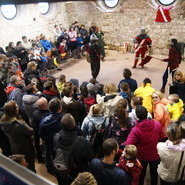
89, 133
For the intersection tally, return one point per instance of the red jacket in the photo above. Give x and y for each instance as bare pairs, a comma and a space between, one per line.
142, 42
174, 59
133, 167
145, 136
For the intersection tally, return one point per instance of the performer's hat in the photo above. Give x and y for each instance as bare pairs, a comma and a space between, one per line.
93, 37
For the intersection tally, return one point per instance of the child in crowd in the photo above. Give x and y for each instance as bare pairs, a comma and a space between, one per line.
175, 107
62, 48
134, 103
129, 162
61, 82
178, 85
80, 43
43, 62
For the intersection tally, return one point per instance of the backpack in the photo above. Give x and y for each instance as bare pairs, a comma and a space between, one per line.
63, 161
98, 136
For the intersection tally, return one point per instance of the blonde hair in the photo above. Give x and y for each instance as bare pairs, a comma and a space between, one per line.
131, 150
31, 64
109, 88
95, 110
174, 97
85, 178
159, 94
179, 73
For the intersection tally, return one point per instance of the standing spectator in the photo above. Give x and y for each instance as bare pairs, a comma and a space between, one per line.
93, 28
100, 35
130, 81
72, 41
49, 126
38, 115
145, 91
145, 136
94, 55
159, 110
110, 99
80, 43
57, 31
171, 167
94, 120
15, 91
18, 133
81, 153
83, 31
120, 125
105, 171
174, 59
46, 44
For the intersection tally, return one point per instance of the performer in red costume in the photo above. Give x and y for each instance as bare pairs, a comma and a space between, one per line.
142, 42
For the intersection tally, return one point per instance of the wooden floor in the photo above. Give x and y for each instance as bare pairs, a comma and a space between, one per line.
111, 71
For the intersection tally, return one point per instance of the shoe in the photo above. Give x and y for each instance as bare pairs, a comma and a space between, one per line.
133, 67
162, 90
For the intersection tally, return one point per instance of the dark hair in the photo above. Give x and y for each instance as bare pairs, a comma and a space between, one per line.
141, 112
19, 42
23, 37
52, 79
175, 45
108, 146
55, 105
146, 81
68, 122
173, 133
67, 91
48, 85
127, 73
84, 91
7, 48
30, 88
10, 44
137, 101
124, 87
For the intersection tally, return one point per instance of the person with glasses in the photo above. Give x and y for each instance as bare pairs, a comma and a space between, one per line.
159, 111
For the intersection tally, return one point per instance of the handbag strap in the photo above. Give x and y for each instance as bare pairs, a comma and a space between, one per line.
179, 165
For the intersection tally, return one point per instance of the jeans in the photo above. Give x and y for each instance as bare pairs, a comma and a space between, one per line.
153, 171
48, 155
165, 77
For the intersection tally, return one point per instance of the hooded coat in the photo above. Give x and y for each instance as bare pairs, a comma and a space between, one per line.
145, 135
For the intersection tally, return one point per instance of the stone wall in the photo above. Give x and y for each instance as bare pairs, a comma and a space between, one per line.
119, 26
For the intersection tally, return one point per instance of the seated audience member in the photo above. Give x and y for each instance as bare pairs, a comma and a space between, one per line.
20, 159
18, 133
105, 171
110, 99
78, 149
120, 124
46, 44
49, 126
61, 82
129, 162
171, 167
29, 101
73, 107
38, 115
95, 120
178, 85
134, 103
9, 51
31, 72
175, 107
85, 178
25, 43
159, 111
50, 91
145, 91
145, 136
127, 79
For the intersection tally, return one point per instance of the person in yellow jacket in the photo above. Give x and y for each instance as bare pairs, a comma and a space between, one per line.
61, 83
175, 107
146, 91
